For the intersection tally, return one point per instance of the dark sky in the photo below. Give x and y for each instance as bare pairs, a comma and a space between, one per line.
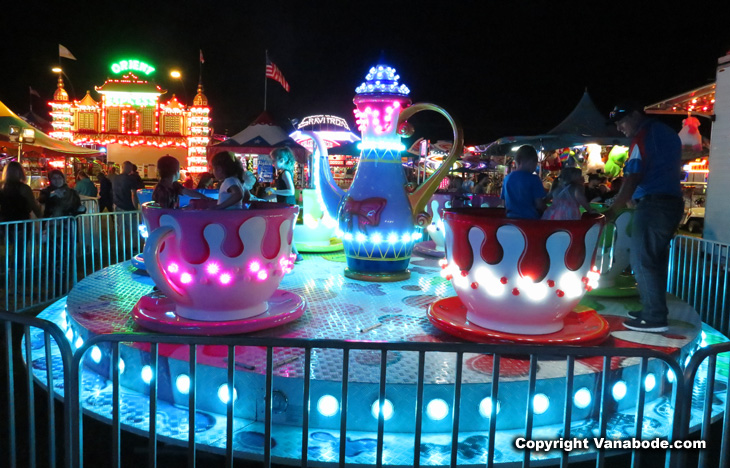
499, 67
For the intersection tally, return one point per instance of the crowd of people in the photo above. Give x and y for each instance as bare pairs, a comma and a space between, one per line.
482, 183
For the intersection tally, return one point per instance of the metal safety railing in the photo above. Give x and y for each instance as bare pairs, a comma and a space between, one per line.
530, 353
701, 372
603, 404
107, 238
39, 261
33, 434
44, 258
699, 274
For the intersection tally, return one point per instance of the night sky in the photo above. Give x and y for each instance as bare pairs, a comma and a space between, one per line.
499, 67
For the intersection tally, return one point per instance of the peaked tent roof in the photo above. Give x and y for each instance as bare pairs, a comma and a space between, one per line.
42, 141
262, 136
587, 121
584, 125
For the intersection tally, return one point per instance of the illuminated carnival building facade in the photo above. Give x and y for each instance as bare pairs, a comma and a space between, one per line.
131, 120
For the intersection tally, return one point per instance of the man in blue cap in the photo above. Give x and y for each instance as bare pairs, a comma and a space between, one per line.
652, 180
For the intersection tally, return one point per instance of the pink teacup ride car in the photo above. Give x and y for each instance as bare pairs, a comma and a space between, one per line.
218, 270
518, 280
144, 196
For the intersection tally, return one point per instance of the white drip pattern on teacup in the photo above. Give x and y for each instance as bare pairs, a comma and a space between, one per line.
500, 289
249, 265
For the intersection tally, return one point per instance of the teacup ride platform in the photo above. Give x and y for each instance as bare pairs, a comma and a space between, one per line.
340, 308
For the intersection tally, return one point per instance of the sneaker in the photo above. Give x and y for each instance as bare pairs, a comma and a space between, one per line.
643, 325
634, 314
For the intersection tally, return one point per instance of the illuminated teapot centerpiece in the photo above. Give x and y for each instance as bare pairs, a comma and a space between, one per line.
379, 219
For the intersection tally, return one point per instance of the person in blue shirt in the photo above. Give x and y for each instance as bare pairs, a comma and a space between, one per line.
522, 190
652, 180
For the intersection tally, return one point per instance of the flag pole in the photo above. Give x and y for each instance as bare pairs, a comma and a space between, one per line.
266, 53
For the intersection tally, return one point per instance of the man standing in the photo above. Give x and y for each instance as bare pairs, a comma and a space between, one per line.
125, 186
652, 180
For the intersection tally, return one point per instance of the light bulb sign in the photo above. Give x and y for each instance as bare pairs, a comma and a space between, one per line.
132, 65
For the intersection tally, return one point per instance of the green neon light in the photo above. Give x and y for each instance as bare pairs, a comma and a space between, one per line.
133, 65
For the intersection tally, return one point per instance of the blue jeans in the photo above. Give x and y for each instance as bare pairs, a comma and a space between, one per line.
655, 221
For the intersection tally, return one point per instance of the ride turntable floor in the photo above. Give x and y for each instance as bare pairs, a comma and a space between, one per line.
339, 308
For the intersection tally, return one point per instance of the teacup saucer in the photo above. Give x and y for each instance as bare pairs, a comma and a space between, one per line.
138, 262
429, 248
583, 326
625, 286
155, 311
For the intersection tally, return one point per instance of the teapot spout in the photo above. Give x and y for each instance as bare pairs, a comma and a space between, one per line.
331, 194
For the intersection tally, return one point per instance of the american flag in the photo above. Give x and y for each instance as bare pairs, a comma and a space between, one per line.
273, 72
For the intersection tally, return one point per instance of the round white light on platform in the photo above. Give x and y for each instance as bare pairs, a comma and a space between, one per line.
183, 384
79, 342
95, 354
70, 335
540, 403
224, 394
582, 398
671, 377
147, 374
485, 407
121, 366
649, 382
437, 409
619, 390
328, 406
387, 409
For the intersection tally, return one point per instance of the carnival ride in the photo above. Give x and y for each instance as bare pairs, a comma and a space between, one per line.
503, 282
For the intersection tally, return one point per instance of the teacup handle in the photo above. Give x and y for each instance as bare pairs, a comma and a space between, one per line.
420, 196
152, 264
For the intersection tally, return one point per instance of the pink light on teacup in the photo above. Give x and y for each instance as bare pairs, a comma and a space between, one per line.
515, 275
220, 265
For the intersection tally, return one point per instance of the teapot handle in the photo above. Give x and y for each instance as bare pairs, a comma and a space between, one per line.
152, 264
422, 194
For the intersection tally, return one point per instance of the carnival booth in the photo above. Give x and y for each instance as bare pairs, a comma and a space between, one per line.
132, 120
39, 152
694, 105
